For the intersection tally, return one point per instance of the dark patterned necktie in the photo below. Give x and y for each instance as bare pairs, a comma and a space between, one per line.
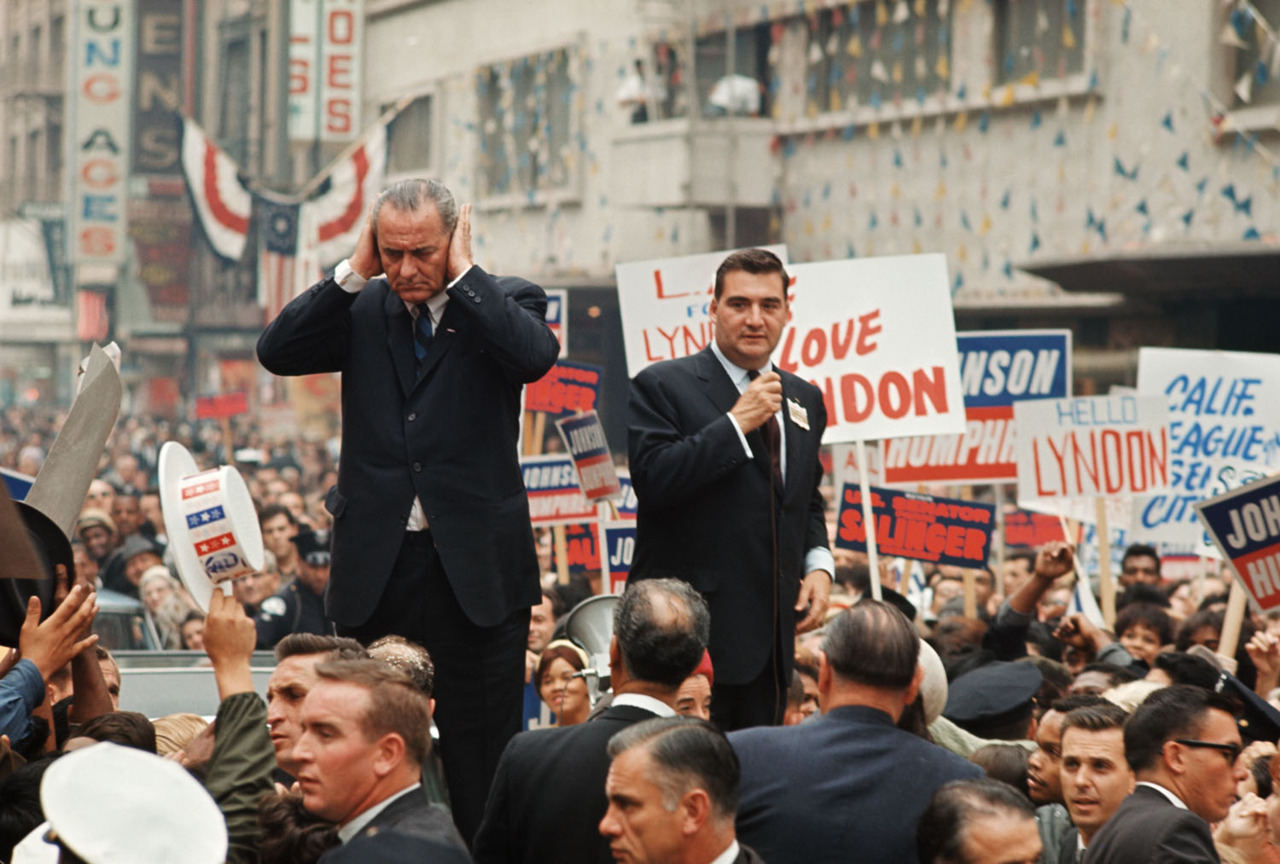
772, 438
422, 334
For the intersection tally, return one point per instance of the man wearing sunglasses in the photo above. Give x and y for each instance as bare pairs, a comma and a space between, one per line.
1182, 744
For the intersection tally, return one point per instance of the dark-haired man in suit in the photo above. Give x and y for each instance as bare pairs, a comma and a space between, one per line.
1182, 743
724, 459
431, 533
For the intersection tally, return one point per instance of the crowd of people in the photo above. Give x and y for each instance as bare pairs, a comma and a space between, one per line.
1022, 733
758, 704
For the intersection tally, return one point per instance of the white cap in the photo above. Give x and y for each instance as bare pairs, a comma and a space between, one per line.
118, 805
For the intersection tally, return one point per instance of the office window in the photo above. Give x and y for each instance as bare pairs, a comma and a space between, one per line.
1041, 36
526, 112
233, 119
409, 137
744, 90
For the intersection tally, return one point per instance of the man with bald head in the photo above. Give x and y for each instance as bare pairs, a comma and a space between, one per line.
548, 797
849, 782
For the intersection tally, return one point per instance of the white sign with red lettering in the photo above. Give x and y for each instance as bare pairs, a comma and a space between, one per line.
665, 306
326, 38
878, 338
1091, 446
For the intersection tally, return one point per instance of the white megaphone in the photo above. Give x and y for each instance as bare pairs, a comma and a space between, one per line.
590, 624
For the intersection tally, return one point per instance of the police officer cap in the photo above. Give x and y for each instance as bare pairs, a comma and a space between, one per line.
990, 691
313, 547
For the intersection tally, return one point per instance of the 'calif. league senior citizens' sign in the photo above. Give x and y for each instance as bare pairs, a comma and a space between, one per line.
1224, 431
1245, 526
875, 335
1092, 447
996, 368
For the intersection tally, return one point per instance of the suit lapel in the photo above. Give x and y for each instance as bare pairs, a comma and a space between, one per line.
717, 385
400, 339
722, 392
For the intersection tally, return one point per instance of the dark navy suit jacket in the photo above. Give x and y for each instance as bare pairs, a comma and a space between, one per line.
1149, 829
448, 435
704, 515
845, 786
548, 796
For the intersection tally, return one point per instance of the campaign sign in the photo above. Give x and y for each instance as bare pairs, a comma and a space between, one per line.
20, 484
583, 434
558, 317
554, 495
1245, 526
1092, 446
877, 337
567, 388
997, 368
845, 468
221, 406
1030, 529
665, 306
1224, 430
918, 527
627, 504
619, 546
582, 548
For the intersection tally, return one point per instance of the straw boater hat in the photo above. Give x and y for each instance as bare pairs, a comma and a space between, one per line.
211, 523
48, 514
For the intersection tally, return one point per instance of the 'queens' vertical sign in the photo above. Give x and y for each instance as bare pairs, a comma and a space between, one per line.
101, 83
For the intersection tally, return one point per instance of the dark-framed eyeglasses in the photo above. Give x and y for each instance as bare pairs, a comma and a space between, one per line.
1231, 751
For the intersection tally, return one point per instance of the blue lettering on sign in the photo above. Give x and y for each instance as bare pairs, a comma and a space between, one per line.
550, 477
1098, 411
1213, 446
999, 369
222, 562
1212, 396
204, 517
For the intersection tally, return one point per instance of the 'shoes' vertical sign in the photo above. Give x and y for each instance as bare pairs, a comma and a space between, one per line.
101, 83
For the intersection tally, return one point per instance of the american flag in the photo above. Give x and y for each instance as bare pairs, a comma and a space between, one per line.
278, 279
